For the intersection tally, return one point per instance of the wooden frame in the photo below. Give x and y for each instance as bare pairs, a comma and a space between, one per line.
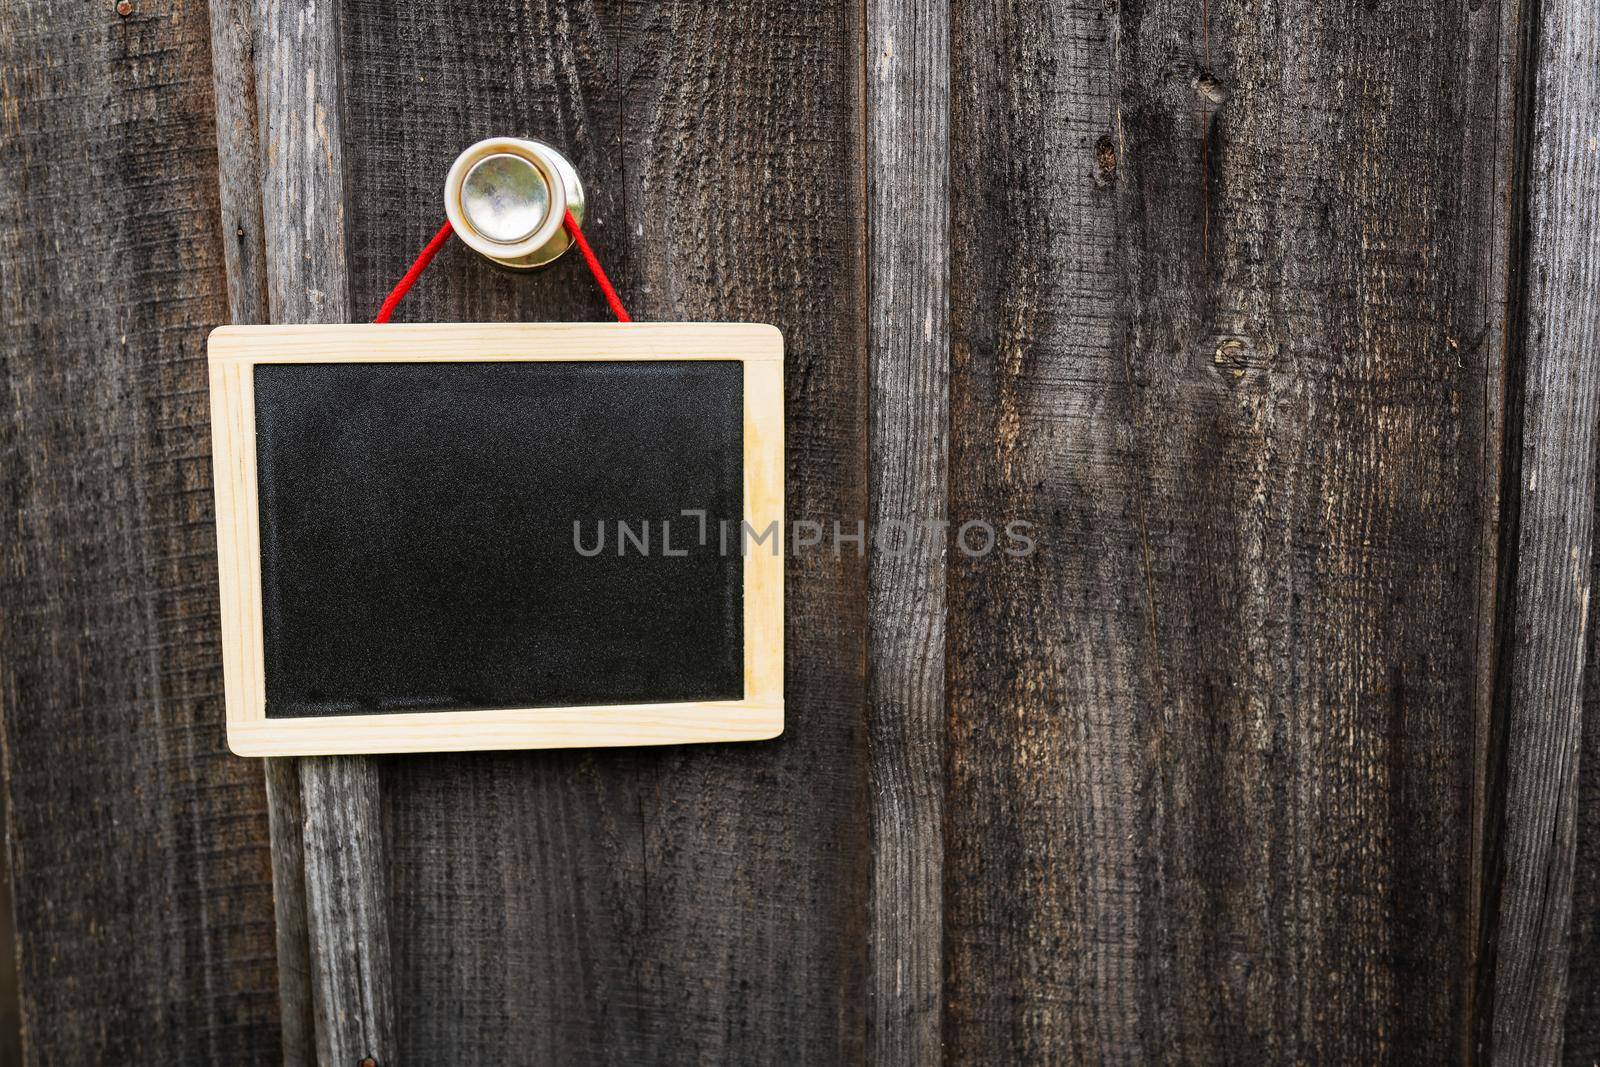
234, 353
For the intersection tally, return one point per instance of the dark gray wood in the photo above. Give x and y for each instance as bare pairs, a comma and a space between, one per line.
286, 811
908, 314
334, 830
347, 918
705, 903
233, 70
1228, 289
10, 999
1263, 755
518, 880
233, 44
137, 844
1581, 1038
1532, 861
742, 123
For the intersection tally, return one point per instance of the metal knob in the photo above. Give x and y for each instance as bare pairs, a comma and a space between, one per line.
507, 198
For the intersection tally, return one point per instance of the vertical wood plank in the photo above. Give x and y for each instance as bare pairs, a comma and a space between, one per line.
1532, 863
745, 193
233, 69
334, 831
703, 904
298, 73
10, 999
1229, 310
908, 312
296, 1010
517, 879
138, 845
233, 44
1581, 1027
347, 911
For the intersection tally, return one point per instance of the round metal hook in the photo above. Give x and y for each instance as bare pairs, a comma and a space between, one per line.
507, 198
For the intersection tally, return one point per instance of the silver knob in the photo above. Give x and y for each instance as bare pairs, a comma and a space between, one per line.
508, 197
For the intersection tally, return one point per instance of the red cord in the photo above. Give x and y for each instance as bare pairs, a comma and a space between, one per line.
403, 286
594, 268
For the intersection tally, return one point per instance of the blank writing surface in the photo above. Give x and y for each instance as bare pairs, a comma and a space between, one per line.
417, 543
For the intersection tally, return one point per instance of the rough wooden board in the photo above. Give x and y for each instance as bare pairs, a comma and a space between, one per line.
138, 844
1228, 321
345, 949
1581, 1045
515, 879
233, 42
908, 169
1531, 865
744, 175
10, 998
687, 905
233, 69
347, 920
286, 812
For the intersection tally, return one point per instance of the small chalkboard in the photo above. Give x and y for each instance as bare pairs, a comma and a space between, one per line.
450, 537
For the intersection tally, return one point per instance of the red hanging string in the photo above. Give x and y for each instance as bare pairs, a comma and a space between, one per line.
594, 268
403, 286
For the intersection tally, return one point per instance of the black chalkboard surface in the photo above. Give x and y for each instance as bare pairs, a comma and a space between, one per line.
498, 536
418, 546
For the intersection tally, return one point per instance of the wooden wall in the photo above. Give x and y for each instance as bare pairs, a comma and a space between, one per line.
138, 846
1228, 325
1276, 320
697, 904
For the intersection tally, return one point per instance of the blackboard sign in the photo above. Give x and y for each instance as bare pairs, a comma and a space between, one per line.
451, 537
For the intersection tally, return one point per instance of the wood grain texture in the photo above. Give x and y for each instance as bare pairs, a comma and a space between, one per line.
234, 29
744, 199
335, 828
516, 879
299, 93
1581, 1029
1228, 319
347, 911
286, 812
908, 313
1531, 865
138, 845
234, 356
233, 44
702, 904
10, 998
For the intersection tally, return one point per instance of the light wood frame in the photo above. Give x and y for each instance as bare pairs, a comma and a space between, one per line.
234, 353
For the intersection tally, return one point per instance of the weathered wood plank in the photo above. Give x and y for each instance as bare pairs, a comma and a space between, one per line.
138, 845
908, 169
286, 812
298, 75
703, 904
10, 999
745, 176
516, 878
347, 916
336, 951
1532, 863
233, 43
1581, 1030
1228, 291
233, 71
